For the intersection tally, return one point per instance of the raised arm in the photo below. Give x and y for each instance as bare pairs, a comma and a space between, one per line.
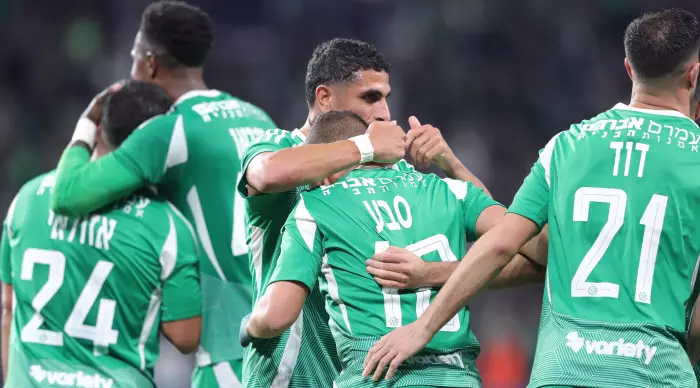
82, 186
428, 146
298, 267
271, 168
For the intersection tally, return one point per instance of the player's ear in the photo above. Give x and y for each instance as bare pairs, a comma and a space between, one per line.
628, 68
693, 73
324, 97
152, 66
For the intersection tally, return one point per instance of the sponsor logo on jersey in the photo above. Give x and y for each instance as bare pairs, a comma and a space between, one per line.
446, 359
619, 348
64, 379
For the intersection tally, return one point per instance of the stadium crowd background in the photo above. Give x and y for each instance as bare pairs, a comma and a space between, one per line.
498, 77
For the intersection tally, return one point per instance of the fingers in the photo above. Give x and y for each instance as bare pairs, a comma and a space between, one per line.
412, 134
374, 356
385, 275
383, 363
413, 122
422, 154
394, 365
387, 257
390, 283
417, 144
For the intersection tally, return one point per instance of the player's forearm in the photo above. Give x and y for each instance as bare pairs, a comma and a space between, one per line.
453, 168
436, 274
518, 272
82, 187
265, 326
485, 260
6, 325
537, 249
293, 167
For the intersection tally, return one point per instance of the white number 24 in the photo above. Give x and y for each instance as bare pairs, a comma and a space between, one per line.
101, 334
653, 222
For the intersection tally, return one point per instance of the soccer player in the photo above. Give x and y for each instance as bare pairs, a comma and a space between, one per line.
619, 193
334, 229
92, 293
192, 155
342, 74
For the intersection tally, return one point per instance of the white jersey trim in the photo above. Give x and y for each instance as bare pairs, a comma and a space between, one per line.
211, 93
177, 150
290, 355
546, 157
660, 112
333, 290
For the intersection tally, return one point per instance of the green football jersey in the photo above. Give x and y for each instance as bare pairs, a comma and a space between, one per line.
193, 155
90, 293
304, 356
619, 194
332, 232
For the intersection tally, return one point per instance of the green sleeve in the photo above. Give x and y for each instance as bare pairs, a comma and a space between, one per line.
475, 202
272, 140
532, 199
82, 186
155, 146
301, 249
182, 295
5, 256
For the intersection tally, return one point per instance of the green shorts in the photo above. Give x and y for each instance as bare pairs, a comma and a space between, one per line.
227, 374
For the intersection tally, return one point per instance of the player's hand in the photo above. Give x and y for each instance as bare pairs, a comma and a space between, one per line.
397, 268
243, 335
94, 110
428, 146
394, 348
388, 141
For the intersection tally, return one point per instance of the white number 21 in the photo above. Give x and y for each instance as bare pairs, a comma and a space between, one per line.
653, 222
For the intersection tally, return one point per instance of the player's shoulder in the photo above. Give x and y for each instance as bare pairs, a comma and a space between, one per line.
36, 187
280, 137
150, 213
166, 120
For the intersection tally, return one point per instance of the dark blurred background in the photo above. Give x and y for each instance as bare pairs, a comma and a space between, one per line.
498, 77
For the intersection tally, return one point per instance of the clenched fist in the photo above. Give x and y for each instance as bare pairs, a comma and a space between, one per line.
388, 141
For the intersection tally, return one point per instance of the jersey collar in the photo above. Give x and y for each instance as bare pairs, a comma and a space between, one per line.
299, 134
211, 93
660, 112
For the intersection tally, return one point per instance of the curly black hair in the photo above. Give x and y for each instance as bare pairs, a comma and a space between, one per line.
179, 33
658, 44
337, 60
127, 108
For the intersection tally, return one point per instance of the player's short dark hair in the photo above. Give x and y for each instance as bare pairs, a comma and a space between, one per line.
337, 60
127, 108
659, 44
179, 33
334, 126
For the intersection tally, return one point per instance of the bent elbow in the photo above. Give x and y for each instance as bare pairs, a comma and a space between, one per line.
277, 323
187, 345
274, 177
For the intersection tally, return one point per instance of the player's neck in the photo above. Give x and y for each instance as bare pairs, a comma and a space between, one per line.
186, 80
651, 98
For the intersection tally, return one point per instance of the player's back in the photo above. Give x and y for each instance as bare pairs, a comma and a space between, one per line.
624, 249
209, 132
367, 211
88, 290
